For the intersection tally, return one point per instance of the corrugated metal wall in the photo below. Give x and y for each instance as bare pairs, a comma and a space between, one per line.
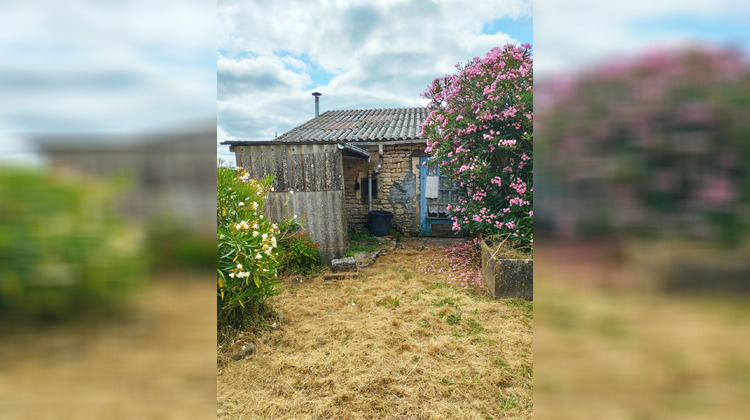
314, 172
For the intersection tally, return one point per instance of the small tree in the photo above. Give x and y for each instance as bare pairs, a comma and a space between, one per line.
479, 131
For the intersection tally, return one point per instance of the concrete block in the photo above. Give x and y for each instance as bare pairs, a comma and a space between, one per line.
343, 265
508, 278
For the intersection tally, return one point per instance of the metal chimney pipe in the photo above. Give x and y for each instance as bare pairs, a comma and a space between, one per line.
317, 102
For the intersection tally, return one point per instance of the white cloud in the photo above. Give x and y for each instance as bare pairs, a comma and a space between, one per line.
380, 54
572, 34
248, 76
87, 65
294, 63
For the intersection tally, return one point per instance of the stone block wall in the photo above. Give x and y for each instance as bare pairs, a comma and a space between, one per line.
398, 186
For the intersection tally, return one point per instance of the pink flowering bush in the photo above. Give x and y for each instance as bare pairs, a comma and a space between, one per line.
652, 145
479, 131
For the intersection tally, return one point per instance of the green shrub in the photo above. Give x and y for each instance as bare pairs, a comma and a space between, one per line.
247, 249
64, 253
298, 254
177, 246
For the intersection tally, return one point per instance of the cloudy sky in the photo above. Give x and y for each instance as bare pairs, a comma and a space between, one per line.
574, 33
367, 54
137, 65
88, 66
272, 56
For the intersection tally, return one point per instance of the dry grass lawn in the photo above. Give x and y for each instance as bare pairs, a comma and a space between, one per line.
159, 365
610, 351
394, 343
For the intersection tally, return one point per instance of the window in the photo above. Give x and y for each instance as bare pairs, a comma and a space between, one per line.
437, 206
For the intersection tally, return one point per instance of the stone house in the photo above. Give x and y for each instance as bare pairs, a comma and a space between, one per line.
347, 148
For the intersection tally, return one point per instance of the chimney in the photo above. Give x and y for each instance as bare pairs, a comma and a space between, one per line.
317, 102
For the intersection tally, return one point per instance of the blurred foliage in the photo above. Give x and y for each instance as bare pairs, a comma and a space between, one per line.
178, 246
64, 253
655, 145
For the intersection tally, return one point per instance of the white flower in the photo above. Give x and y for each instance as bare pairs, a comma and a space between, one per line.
243, 274
239, 266
255, 225
273, 241
240, 204
295, 216
255, 233
253, 205
221, 236
261, 216
291, 191
231, 275
268, 252
258, 256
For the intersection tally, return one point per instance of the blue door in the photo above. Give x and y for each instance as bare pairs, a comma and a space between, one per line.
436, 192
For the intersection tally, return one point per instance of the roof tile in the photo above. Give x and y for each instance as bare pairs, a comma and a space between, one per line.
361, 125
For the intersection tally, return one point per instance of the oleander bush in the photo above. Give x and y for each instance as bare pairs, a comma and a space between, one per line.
651, 145
480, 133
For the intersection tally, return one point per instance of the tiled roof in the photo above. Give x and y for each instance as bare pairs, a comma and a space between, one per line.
361, 125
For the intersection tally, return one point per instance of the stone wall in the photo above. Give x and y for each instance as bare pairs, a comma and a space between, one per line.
398, 186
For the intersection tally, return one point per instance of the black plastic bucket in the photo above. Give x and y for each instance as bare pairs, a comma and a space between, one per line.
379, 222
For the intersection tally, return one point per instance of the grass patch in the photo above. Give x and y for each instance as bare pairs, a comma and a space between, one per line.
474, 327
507, 403
454, 319
416, 295
501, 363
447, 381
436, 285
363, 242
449, 301
426, 348
390, 303
527, 370
518, 303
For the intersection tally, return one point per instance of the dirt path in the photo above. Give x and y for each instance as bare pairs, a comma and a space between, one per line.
394, 343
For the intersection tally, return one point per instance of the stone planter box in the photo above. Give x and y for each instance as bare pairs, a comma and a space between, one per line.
507, 278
